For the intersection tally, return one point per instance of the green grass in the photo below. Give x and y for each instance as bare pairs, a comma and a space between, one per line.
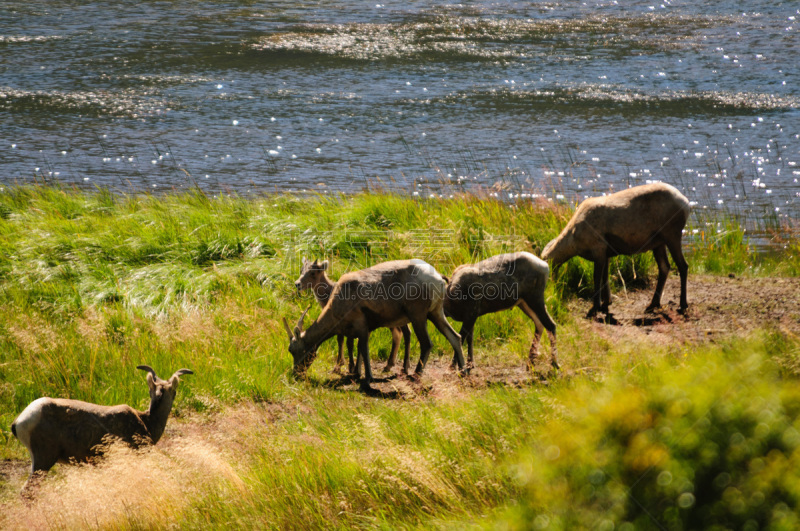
93, 284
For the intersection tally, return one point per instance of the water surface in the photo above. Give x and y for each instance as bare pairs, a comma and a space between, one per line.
559, 99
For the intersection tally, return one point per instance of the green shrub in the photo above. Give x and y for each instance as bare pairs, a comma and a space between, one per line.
714, 445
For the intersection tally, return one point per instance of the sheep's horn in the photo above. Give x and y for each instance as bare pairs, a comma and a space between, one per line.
181, 372
288, 330
148, 369
299, 325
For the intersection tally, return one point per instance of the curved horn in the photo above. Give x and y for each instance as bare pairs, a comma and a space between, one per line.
181, 372
299, 325
288, 330
148, 369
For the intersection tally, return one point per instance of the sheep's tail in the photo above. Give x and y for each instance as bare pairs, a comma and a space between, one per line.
14, 428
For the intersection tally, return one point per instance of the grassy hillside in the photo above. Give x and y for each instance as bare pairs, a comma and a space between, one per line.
93, 284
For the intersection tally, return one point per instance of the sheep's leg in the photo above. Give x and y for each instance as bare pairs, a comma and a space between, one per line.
396, 335
442, 325
535, 308
606, 294
337, 367
363, 354
421, 331
43, 457
660, 254
406, 348
466, 332
600, 279
352, 368
359, 359
683, 269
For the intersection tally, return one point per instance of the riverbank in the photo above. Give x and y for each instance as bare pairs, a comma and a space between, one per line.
95, 284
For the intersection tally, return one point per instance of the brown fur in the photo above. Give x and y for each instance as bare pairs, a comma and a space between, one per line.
390, 294
500, 283
636, 220
57, 430
313, 277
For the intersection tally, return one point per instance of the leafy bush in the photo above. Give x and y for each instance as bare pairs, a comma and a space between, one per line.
712, 445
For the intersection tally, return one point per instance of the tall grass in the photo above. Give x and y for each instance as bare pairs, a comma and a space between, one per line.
93, 284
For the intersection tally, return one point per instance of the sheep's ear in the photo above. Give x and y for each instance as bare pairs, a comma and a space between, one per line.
324, 265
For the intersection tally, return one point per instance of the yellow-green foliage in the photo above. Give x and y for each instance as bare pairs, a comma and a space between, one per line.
712, 444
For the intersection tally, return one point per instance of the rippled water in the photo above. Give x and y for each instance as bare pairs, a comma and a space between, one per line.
559, 98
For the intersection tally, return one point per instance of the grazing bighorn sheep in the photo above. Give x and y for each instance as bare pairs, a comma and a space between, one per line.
500, 283
639, 219
314, 277
60, 430
390, 294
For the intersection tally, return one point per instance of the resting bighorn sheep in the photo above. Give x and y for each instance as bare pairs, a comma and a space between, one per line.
313, 276
500, 283
390, 294
639, 219
60, 430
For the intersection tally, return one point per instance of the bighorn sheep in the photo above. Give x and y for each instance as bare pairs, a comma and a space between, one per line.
313, 276
390, 294
60, 430
500, 283
639, 219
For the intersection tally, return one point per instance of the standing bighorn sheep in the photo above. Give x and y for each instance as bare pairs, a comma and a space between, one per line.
60, 430
639, 219
313, 276
500, 283
390, 294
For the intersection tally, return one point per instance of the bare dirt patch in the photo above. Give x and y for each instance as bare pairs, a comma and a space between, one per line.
718, 307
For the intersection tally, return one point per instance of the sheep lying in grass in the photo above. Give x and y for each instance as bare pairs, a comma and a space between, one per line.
56, 430
500, 283
636, 220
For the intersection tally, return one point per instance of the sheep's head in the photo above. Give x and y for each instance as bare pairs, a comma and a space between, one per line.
557, 251
162, 392
311, 274
303, 353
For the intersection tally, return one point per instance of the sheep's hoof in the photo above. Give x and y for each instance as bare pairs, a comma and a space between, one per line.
652, 308
389, 367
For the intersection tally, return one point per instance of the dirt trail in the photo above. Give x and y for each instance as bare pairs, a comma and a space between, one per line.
718, 306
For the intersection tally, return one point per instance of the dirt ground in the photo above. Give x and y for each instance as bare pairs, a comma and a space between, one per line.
718, 307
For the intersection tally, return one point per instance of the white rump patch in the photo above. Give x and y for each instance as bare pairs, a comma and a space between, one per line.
28, 419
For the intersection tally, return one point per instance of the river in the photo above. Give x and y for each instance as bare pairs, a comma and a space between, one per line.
556, 99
